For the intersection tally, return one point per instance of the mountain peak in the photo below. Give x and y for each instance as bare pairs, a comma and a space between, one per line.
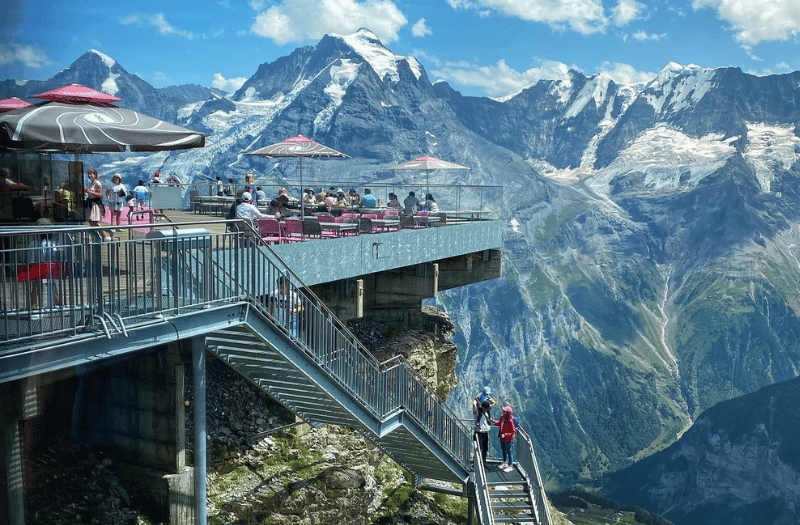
107, 60
383, 62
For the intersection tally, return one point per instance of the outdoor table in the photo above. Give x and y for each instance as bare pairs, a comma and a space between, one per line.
466, 214
340, 227
386, 222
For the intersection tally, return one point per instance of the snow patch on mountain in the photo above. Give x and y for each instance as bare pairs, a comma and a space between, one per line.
596, 89
110, 84
678, 87
769, 148
665, 159
342, 75
382, 61
107, 60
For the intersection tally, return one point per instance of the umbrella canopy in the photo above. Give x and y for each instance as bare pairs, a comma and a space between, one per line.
427, 163
77, 93
7, 104
89, 128
299, 147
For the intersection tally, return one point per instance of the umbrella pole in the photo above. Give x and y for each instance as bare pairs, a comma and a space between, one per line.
302, 200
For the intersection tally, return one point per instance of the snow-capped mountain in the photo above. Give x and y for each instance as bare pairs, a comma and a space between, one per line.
651, 254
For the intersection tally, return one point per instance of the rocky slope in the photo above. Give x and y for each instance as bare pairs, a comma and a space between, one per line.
740, 459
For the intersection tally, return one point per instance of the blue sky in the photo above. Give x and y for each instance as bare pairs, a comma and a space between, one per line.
481, 47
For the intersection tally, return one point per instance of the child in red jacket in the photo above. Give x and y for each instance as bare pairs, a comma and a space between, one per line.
508, 431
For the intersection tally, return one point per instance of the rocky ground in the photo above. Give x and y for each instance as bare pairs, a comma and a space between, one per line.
263, 471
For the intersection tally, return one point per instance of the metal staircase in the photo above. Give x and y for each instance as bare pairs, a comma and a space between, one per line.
218, 287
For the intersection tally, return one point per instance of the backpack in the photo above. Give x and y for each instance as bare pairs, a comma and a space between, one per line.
482, 424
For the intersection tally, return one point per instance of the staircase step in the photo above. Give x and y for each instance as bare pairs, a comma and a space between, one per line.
520, 518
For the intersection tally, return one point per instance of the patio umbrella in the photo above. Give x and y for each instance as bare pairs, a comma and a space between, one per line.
7, 104
299, 147
77, 93
61, 127
427, 163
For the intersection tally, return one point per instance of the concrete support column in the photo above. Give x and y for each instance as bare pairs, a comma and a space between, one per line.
199, 375
359, 298
12, 502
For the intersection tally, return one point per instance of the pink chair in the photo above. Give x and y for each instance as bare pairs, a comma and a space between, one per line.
270, 231
421, 219
293, 230
392, 214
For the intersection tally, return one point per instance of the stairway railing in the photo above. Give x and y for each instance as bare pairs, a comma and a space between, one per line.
178, 270
526, 459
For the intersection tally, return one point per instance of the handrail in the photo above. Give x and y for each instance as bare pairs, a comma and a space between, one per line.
180, 270
526, 460
482, 503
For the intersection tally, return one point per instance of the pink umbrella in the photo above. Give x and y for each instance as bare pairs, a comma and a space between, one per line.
77, 93
7, 104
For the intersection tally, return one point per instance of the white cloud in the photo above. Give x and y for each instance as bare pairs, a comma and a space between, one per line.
757, 20
643, 36
302, 20
625, 73
420, 29
500, 80
229, 85
157, 20
27, 55
583, 16
626, 12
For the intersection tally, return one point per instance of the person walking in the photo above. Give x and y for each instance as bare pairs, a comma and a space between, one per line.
508, 432
483, 424
116, 196
285, 305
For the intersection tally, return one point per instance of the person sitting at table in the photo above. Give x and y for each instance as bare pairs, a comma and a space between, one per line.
368, 200
279, 207
261, 196
308, 197
430, 204
410, 204
290, 201
393, 202
246, 210
341, 201
250, 187
330, 198
320, 196
352, 198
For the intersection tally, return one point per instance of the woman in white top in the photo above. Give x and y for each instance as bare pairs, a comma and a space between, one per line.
430, 204
116, 198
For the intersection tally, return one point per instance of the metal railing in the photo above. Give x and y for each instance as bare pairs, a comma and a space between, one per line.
483, 506
526, 460
90, 284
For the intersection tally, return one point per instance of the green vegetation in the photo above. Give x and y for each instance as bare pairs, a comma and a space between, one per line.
584, 508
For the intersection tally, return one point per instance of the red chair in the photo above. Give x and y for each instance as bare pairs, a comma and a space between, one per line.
421, 219
293, 230
270, 230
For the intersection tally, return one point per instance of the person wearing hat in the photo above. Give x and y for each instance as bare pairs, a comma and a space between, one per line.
508, 431
246, 210
484, 396
116, 196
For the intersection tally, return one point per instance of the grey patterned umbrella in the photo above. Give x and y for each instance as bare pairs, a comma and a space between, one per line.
427, 163
90, 128
299, 147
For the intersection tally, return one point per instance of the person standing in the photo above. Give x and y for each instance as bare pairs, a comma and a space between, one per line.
508, 431
483, 424
141, 194
94, 199
218, 185
285, 305
116, 198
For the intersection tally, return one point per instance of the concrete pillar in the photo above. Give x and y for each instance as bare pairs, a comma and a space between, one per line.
12, 502
359, 298
199, 375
